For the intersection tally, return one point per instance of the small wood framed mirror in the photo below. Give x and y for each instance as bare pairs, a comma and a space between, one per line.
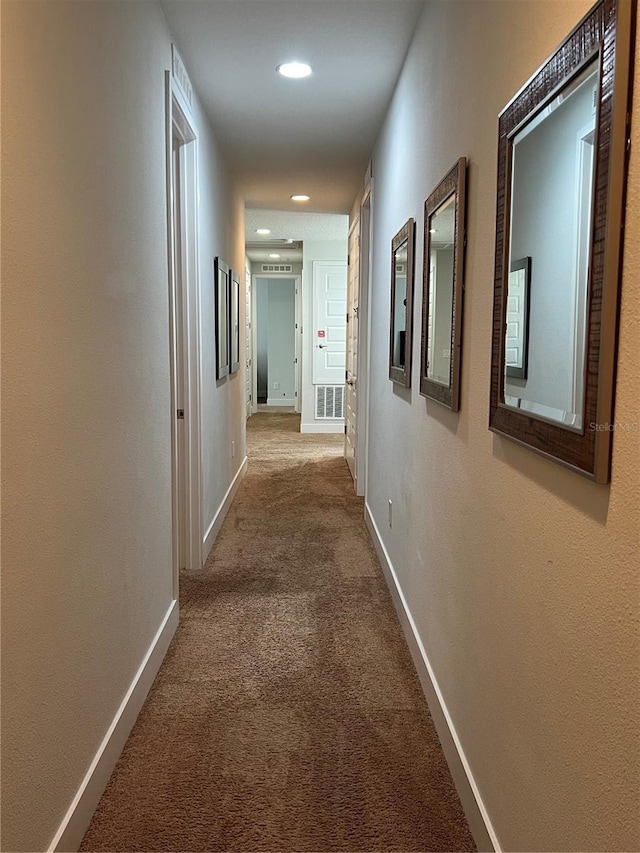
221, 291
234, 321
562, 169
443, 287
400, 325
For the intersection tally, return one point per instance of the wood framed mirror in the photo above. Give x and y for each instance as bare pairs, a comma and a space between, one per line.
562, 168
443, 287
401, 318
221, 289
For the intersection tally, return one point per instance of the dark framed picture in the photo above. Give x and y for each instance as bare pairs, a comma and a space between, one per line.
221, 287
234, 321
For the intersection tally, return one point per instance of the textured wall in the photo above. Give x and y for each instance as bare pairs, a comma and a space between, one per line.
87, 574
522, 577
221, 232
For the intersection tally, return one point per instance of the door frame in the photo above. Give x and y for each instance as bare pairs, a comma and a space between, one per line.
352, 320
364, 338
585, 151
297, 279
180, 122
248, 325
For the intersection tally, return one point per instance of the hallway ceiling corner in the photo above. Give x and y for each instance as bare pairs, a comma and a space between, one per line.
282, 136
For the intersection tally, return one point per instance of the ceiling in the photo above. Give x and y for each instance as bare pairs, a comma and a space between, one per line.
290, 225
282, 136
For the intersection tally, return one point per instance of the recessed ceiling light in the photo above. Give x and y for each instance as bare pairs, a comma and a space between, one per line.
294, 70
263, 231
274, 255
300, 198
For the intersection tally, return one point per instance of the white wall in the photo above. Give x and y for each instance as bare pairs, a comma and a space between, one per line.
315, 250
443, 298
521, 576
223, 403
87, 564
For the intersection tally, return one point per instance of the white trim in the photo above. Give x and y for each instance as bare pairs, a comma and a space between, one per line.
248, 325
581, 246
76, 821
254, 342
180, 118
193, 377
476, 812
297, 279
299, 349
223, 509
282, 401
364, 346
352, 459
324, 426
179, 75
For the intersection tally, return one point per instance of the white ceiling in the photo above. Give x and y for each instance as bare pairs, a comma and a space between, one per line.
310, 136
290, 225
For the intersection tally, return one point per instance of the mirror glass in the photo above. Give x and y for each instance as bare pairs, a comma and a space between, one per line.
400, 305
552, 189
222, 317
442, 226
400, 333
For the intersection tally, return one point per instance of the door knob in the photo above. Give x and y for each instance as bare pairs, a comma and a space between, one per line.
322, 346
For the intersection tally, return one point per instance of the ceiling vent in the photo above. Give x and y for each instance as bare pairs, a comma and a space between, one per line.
277, 267
329, 402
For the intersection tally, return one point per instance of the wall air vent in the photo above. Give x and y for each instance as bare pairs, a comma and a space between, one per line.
277, 267
329, 402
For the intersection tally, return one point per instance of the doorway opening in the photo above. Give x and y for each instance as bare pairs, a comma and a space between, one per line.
276, 340
184, 326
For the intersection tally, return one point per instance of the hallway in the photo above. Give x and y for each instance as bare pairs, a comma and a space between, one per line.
156, 161
287, 715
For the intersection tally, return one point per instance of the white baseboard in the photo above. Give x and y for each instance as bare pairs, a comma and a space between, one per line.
281, 401
476, 813
76, 821
223, 509
326, 426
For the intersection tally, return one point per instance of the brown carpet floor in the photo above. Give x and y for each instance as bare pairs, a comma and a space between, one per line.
287, 715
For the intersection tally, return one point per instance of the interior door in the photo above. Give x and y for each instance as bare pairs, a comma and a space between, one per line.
178, 235
350, 394
329, 322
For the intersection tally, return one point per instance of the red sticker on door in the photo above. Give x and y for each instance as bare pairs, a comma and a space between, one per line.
321, 333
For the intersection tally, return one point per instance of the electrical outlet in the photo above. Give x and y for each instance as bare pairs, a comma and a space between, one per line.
390, 513
276, 386
233, 449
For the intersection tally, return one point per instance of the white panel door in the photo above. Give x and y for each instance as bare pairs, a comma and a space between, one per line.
329, 322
